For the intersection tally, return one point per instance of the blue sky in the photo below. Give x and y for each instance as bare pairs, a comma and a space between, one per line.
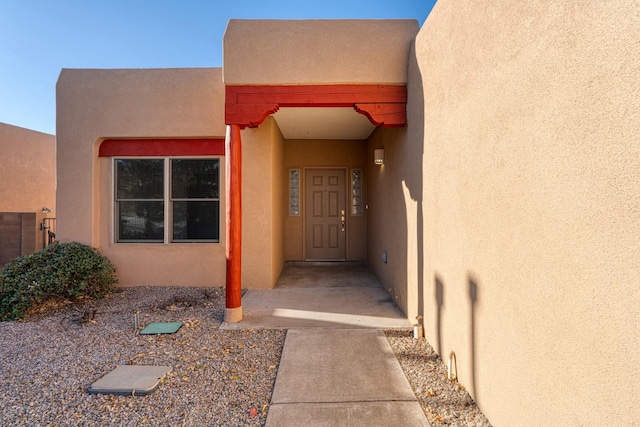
40, 37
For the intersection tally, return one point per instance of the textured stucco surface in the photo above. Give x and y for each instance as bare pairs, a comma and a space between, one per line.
27, 170
262, 198
274, 52
520, 228
154, 103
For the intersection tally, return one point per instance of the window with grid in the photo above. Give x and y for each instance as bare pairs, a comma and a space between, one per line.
167, 200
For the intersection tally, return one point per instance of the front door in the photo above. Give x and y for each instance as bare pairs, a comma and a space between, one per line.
325, 214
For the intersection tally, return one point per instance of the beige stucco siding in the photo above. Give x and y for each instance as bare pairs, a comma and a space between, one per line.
163, 103
273, 52
520, 216
262, 238
278, 199
28, 170
394, 194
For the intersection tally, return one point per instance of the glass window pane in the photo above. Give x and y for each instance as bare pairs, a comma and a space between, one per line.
294, 192
139, 178
196, 220
194, 179
141, 221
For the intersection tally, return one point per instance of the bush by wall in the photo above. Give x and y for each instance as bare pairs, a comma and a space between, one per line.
68, 270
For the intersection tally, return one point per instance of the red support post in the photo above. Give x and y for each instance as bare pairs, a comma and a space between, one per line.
233, 311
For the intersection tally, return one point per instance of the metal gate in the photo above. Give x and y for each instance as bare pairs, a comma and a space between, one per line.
48, 227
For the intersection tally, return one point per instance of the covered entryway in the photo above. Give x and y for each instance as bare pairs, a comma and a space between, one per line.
282, 94
332, 227
325, 214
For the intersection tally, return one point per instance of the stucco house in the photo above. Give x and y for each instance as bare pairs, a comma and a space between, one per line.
27, 190
486, 167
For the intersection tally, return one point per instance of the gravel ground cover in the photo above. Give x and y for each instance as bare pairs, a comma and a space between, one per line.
445, 403
219, 378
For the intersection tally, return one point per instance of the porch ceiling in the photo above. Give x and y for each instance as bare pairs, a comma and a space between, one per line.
323, 123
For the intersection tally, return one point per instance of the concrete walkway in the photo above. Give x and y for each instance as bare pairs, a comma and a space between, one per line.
337, 368
341, 377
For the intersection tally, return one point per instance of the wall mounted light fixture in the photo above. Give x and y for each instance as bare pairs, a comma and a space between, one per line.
378, 156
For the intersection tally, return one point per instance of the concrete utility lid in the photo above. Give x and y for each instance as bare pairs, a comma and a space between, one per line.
131, 380
161, 328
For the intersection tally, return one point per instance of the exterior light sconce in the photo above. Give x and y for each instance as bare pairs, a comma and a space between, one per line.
378, 156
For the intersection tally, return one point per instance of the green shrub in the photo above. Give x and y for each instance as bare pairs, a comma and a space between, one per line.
67, 270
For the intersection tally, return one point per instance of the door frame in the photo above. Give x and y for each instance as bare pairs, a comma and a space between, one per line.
303, 204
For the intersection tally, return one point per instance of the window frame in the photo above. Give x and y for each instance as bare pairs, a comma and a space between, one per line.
167, 201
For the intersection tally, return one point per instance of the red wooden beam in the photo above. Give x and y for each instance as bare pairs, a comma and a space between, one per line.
161, 147
249, 106
233, 312
318, 94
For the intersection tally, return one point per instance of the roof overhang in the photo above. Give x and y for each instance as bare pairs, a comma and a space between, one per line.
323, 123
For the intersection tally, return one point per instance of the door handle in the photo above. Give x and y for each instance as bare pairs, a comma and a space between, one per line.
342, 220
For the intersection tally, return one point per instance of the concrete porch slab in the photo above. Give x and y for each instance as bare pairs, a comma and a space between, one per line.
327, 297
131, 380
319, 307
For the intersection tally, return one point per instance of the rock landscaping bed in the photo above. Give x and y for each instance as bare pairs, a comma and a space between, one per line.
445, 403
219, 377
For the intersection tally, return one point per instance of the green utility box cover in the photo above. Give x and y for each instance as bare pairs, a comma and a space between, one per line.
156, 328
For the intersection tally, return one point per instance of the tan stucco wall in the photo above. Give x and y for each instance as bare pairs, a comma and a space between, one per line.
273, 52
394, 196
154, 103
262, 216
521, 217
28, 170
305, 153
279, 198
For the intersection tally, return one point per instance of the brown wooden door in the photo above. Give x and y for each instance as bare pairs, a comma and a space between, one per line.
325, 214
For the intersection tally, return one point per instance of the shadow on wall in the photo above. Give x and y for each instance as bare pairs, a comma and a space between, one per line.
473, 298
472, 284
439, 304
413, 151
